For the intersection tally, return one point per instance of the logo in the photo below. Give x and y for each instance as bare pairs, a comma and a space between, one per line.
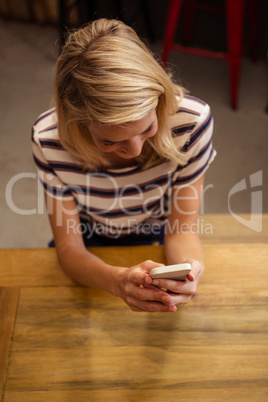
255, 194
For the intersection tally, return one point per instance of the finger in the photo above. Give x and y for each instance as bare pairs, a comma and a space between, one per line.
195, 271
149, 264
148, 279
137, 309
144, 293
151, 287
140, 274
179, 300
151, 306
175, 299
180, 287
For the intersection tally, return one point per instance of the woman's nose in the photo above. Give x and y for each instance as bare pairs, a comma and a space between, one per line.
134, 146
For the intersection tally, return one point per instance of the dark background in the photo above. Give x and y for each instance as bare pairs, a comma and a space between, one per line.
209, 28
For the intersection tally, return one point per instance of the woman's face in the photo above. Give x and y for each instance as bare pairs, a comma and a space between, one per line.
126, 140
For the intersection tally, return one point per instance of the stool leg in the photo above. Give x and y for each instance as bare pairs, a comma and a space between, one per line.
235, 14
188, 20
171, 25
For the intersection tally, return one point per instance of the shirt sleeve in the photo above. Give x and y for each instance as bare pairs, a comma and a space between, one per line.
51, 183
198, 148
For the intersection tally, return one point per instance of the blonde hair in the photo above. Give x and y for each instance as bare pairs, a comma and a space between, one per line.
105, 73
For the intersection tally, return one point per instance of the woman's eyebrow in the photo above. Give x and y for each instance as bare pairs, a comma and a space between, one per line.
117, 142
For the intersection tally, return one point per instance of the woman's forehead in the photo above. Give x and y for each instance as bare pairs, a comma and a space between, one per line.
116, 131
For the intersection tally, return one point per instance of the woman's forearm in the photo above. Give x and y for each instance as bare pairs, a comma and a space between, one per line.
89, 270
181, 247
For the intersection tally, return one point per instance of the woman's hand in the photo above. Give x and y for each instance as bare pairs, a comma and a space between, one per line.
138, 292
181, 292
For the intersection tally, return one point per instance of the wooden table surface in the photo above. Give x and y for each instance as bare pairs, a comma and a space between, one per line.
63, 342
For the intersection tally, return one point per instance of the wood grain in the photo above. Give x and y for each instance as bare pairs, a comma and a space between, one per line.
78, 341
72, 343
31, 267
225, 262
234, 390
8, 306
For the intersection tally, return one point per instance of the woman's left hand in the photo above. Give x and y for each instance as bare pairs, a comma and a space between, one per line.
181, 292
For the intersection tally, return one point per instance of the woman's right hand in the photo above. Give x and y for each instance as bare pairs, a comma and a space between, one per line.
136, 289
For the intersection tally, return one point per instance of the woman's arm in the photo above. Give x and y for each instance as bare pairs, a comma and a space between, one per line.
182, 243
133, 284
181, 240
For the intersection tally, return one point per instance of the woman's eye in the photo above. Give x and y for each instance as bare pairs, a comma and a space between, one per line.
149, 128
108, 143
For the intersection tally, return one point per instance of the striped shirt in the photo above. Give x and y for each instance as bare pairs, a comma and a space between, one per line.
117, 202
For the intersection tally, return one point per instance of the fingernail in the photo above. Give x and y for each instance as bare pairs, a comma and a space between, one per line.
148, 280
191, 277
155, 282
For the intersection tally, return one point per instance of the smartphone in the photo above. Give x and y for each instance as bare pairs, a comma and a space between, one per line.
176, 272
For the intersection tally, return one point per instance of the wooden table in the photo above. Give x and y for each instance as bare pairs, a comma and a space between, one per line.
63, 342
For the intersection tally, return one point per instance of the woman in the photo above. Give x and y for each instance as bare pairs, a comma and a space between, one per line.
122, 160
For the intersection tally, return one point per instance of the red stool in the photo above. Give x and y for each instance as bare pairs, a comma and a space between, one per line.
235, 12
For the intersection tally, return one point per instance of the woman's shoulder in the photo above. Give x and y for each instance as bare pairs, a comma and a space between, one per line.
191, 113
46, 125
192, 106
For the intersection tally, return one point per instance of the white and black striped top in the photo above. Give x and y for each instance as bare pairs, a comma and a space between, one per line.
122, 201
